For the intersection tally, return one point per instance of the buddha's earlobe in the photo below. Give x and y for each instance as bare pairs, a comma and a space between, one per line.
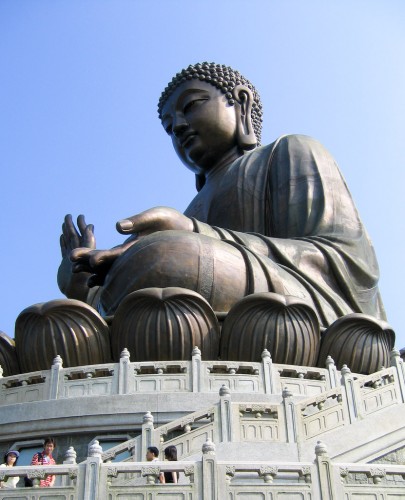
246, 135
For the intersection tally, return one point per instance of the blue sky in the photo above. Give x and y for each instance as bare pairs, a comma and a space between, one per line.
80, 80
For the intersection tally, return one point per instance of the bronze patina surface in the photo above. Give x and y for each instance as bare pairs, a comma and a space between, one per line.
276, 219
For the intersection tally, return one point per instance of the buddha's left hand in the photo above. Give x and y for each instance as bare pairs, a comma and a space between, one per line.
155, 219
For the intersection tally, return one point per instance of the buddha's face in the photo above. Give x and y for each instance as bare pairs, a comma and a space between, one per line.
201, 123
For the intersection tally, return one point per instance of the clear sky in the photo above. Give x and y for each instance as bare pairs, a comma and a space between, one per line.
79, 84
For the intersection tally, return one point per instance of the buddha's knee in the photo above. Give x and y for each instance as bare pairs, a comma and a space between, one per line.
183, 259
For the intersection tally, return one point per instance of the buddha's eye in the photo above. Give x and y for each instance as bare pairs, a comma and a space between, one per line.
190, 104
168, 128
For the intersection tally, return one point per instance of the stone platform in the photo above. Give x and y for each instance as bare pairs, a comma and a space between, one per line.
243, 430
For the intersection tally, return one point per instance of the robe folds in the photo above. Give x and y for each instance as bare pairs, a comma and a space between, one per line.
279, 218
287, 204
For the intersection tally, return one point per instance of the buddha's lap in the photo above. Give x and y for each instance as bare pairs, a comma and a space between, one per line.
222, 272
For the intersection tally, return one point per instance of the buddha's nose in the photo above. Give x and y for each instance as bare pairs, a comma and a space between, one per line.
179, 126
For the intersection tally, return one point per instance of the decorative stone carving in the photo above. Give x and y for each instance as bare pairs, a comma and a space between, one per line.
36, 474
189, 470
286, 326
320, 449
208, 448
148, 418
70, 455
377, 474
95, 450
68, 327
306, 473
8, 356
268, 473
150, 470
162, 324
112, 472
362, 342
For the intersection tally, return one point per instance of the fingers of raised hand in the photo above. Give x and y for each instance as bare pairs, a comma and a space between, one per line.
70, 234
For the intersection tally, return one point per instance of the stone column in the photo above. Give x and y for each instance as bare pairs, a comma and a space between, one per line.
268, 374
399, 366
333, 380
57, 365
349, 394
209, 472
70, 459
290, 417
147, 434
325, 473
225, 414
93, 490
196, 370
123, 372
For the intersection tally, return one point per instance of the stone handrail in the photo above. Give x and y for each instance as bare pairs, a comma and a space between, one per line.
195, 375
210, 479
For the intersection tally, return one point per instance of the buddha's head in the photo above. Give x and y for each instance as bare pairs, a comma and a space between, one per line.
211, 113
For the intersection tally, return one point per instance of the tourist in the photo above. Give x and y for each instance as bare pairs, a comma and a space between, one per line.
152, 454
10, 460
171, 456
45, 458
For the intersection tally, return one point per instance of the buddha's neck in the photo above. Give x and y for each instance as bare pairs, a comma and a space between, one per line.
224, 162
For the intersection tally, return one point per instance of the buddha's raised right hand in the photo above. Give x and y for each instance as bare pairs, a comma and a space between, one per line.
73, 280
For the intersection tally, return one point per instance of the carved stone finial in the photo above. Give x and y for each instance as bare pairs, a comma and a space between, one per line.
224, 390
394, 354
70, 455
208, 448
345, 370
266, 354
329, 362
95, 450
125, 354
58, 361
286, 393
321, 449
196, 352
148, 418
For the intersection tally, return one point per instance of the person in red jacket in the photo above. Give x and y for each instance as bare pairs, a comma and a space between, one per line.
45, 458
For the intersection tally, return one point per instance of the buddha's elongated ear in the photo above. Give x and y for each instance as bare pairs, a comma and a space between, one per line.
246, 135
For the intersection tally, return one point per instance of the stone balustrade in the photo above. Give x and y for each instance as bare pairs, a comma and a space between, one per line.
197, 375
208, 478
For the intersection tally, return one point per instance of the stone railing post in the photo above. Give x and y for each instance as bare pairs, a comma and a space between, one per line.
70, 459
225, 414
123, 372
93, 490
196, 370
147, 434
209, 472
333, 379
56, 367
268, 373
349, 394
327, 485
399, 366
290, 416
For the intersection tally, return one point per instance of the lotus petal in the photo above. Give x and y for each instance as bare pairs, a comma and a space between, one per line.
286, 326
161, 324
67, 327
361, 342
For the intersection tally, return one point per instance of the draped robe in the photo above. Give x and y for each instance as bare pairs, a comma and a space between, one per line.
285, 212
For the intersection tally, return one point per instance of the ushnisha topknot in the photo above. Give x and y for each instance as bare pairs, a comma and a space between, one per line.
224, 78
